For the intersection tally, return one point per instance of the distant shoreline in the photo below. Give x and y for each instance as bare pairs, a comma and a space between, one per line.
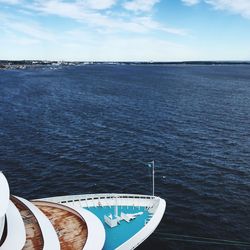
23, 64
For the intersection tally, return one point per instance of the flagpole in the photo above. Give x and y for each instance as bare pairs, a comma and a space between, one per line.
153, 169
151, 164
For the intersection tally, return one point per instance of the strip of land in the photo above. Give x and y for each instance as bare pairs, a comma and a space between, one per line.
23, 64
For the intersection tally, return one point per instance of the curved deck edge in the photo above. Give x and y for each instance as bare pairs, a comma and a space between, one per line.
15, 228
95, 227
4, 195
146, 231
49, 234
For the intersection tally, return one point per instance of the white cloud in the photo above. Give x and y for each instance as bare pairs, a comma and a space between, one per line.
56, 7
190, 2
108, 23
31, 30
100, 4
28, 30
140, 5
112, 34
88, 12
241, 7
147, 23
11, 1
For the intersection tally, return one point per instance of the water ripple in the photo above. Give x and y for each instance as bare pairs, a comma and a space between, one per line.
89, 129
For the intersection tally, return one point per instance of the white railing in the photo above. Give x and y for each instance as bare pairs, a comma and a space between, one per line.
109, 199
96, 196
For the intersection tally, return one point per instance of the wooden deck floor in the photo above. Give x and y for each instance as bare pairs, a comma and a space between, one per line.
34, 238
71, 229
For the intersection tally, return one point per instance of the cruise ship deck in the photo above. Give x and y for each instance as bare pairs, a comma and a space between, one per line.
146, 210
77, 222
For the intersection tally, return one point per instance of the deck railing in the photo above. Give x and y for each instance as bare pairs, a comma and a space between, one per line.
109, 199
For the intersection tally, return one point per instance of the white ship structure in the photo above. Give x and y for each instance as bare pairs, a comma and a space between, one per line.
88, 221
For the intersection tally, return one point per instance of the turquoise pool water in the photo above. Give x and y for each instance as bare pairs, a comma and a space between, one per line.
117, 235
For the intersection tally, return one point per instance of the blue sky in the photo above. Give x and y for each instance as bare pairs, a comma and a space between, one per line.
125, 30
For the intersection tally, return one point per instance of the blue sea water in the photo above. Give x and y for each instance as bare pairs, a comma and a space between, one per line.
91, 128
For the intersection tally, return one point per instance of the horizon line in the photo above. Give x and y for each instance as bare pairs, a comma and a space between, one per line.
122, 61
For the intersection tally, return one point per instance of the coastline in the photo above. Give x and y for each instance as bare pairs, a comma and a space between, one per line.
23, 64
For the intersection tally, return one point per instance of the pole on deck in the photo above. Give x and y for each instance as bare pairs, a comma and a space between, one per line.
151, 164
153, 170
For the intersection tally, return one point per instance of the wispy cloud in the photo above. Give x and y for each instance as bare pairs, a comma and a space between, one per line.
94, 30
146, 23
11, 1
31, 30
190, 2
28, 29
100, 4
140, 5
241, 7
89, 14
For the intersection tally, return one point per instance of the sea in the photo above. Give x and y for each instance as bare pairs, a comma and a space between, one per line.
93, 129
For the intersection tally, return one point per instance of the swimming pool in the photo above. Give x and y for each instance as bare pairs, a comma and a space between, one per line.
118, 235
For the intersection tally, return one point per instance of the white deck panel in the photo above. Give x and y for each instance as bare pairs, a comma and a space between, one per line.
4, 195
50, 238
2, 225
2, 222
16, 235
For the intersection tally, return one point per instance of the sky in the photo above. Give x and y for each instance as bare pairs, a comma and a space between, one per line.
125, 30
